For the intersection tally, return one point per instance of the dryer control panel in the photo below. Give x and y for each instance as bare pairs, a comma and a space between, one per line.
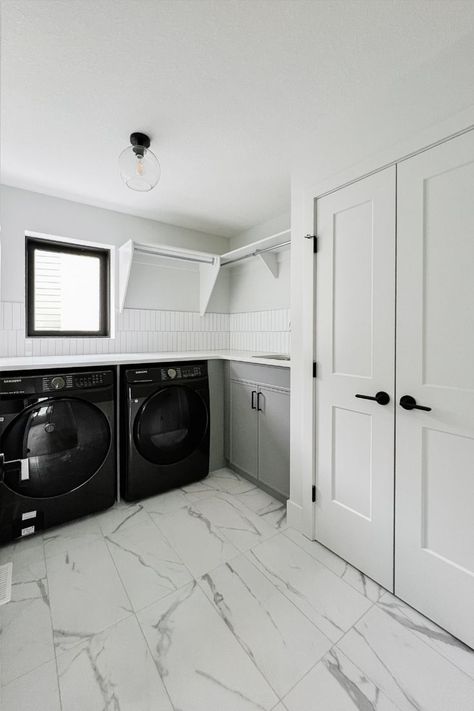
182, 372
168, 372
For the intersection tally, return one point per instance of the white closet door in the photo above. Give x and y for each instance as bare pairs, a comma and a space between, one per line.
355, 327
434, 539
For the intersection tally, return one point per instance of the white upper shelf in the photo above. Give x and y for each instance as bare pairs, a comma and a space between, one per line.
209, 264
265, 249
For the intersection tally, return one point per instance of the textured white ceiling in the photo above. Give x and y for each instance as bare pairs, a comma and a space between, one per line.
230, 92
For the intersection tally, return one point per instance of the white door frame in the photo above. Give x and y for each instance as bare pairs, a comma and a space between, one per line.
300, 507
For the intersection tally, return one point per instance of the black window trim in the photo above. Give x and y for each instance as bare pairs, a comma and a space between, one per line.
32, 243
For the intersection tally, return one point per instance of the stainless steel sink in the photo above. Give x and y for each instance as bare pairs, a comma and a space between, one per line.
273, 356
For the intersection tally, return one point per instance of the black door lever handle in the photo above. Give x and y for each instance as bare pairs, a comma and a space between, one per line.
381, 398
409, 403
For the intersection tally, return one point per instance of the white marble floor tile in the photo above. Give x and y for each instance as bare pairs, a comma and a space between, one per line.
321, 595
336, 684
35, 691
61, 539
202, 665
241, 526
199, 543
199, 489
27, 556
170, 501
23, 551
229, 482
280, 707
360, 582
448, 646
86, 593
148, 566
275, 634
122, 516
412, 674
266, 506
112, 671
26, 639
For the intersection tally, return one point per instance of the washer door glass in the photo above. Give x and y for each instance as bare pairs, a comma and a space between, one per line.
170, 425
65, 442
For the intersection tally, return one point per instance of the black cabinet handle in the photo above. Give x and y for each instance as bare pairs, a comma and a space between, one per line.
409, 403
254, 392
258, 402
381, 398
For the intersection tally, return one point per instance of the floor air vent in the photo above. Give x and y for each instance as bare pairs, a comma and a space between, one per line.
5, 583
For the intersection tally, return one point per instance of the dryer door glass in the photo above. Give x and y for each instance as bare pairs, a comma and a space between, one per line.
64, 441
170, 425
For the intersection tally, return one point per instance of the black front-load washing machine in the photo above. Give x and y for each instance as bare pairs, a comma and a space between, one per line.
165, 420
57, 448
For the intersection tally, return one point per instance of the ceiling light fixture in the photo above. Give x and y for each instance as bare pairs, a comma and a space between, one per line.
139, 167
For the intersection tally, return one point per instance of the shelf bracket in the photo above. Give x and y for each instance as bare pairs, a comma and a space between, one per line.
271, 262
208, 274
124, 266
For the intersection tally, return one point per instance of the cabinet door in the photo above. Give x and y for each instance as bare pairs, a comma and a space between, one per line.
434, 535
243, 427
355, 333
274, 439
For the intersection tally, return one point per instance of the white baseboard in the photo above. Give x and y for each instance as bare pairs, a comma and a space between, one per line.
294, 513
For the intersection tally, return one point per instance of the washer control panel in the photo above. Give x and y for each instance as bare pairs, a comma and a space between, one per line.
91, 380
54, 382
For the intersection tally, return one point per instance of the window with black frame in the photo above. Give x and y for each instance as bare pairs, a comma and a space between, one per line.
67, 289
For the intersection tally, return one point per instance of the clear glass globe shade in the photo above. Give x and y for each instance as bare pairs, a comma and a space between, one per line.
139, 172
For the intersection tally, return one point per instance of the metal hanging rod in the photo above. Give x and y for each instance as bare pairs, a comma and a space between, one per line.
256, 253
170, 255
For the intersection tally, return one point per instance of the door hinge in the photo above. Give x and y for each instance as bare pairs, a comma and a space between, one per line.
313, 494
315, 368
315, 241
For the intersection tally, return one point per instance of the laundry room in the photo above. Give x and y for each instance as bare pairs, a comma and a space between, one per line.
236, 347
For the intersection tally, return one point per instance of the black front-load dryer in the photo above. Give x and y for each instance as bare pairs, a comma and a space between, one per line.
165, 427
57, 448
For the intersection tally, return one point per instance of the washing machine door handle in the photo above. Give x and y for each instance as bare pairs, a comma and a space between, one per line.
24, 467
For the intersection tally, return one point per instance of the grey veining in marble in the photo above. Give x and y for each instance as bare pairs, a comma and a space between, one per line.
148, 566
26, 640
445, 644
86, 593
360, 582
266, 506
280, 640
257, 625
112, 670
227, 481
322, 596
408, 671
63, 539
198, 542
336, 684
122, 517
201, 663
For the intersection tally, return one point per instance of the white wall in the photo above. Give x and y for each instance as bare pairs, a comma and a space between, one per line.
21, 210
276, 224
162, 303
252, 287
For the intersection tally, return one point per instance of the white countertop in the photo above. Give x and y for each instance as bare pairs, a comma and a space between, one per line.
38, 362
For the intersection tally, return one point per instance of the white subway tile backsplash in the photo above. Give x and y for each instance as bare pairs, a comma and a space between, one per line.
142, 330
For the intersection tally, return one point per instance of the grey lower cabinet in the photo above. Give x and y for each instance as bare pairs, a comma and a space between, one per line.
258, 425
